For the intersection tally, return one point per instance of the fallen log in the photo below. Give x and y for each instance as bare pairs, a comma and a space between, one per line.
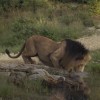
29, 68
70, 86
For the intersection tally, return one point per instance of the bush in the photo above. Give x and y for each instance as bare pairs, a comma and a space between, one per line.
49, 29
6, 5
86, 19
57, 22
79, 1
33, 90
95, 6
94, 65
22, 29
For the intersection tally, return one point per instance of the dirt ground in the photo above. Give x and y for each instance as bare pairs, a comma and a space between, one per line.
5, 59
91, 42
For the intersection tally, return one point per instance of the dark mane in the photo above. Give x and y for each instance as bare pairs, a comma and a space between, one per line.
75, 48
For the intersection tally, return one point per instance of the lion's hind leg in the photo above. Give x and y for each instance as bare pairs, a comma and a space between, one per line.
28, 60
27, 57
28, 53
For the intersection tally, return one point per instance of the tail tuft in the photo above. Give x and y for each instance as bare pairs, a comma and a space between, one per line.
7, 51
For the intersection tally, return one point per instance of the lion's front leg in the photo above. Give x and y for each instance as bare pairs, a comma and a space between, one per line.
54, 61
55, 58
57, 55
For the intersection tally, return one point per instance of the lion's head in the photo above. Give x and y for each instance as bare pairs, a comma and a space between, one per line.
76, 56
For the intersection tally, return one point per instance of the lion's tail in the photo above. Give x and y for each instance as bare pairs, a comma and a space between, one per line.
16, 56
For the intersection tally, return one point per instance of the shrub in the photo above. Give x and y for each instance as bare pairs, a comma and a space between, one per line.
95, 6
79, 1
33, 90
22, 29
86, 19
6, 5
94, 65
50, 30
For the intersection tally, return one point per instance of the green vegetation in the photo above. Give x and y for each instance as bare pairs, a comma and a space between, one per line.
93, 82
94, 65
56, 19
93, 79
34, 89
31, 90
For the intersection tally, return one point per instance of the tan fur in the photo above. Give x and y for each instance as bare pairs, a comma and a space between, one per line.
50, 53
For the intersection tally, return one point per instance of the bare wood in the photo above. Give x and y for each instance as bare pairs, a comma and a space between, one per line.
29, 68
51, 75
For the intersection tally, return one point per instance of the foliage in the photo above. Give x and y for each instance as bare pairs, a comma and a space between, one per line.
86, 19
94, 65
29, 91
95, 6
93, 82
78, 1
57, 21
85, 1
7, 5
22, 28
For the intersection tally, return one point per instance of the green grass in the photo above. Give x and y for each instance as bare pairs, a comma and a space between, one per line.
56, 21
31, 90
34, 89
94, 64
93, 82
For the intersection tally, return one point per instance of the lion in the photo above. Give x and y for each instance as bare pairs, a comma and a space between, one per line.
67, 54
